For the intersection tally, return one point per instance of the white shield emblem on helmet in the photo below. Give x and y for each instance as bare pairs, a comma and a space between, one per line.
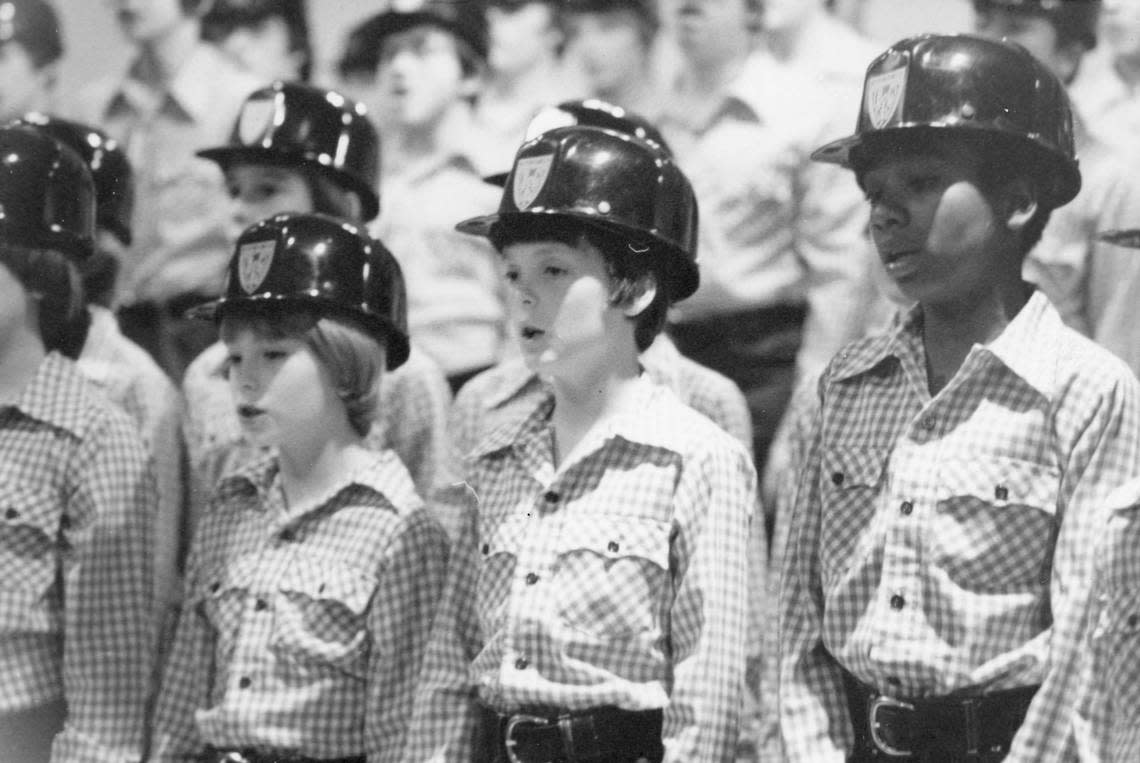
885, 96
254, 260
530, 175
256, 120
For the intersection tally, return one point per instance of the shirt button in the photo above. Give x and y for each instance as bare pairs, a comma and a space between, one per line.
521, 663
1001, 492
929, 422
551, 497
260, 604
65, 522
894, 681
245, 682
531, 578
897, 601
486, 549
11, 514
1133, 620
215, 587
613, 546
288, 536
837, 478
906, 508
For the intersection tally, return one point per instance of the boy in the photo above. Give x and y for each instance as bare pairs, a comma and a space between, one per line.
178, 94
931, 593
30, 50
314, 575
429, 58
1095, 287
595, 609
115, 364
268, 38
297, 148
75, 537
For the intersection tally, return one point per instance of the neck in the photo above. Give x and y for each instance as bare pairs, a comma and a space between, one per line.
161, 58
579, 404
20, 359
785, 43
309, 469
710, 77
415, 143
532, 83
630, 92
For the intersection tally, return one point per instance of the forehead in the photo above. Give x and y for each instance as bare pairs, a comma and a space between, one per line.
419, 34
929, 151
240, 171
582, 252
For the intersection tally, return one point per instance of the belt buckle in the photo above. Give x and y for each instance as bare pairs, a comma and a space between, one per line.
509, 742
878, 704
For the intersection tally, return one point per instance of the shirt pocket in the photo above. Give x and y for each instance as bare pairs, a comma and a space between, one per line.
220, 596
609, 575
994, 524
851, 481
1120, 642
29, 551
499, 550
322, 613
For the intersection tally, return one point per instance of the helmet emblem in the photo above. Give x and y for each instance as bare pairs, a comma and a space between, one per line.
254, 260
530, 175
885, 96
256, 119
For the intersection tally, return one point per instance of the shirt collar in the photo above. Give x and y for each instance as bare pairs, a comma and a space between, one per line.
56, 395
1026, 347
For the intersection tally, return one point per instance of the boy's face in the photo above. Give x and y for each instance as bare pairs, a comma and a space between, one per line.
1033, 32
259, 191
148, 20
521, 37
23, 87
263, 49
420, 77
282, 393
708, 29
932, 225
610, 48
559, 297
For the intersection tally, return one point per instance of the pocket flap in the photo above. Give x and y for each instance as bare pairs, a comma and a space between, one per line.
1003, 481
848, 467
615, 537
329, 581
24, 507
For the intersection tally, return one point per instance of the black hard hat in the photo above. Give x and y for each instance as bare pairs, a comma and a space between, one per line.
973, 86
292, 124
1079, 18
33, 24
227, 16
644, 9
109, 166
608, 180
321, 263
466, 19
593, 112
47, 196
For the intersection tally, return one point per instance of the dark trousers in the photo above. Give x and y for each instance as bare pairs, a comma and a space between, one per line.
26, 736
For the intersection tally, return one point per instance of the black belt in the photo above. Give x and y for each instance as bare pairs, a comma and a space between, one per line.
601, 735
952, 728
215, 755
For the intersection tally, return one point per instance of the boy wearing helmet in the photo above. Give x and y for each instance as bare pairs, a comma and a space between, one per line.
297, 148
268, 38
76, 633
30, 50
932, 593
314, 575
1093, 285
125, 372
596, 606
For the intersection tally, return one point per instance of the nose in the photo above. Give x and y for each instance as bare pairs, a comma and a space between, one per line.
240, 219
886, 213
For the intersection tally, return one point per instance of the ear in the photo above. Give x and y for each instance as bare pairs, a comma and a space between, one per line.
1019, 204
1067, 59
642, 297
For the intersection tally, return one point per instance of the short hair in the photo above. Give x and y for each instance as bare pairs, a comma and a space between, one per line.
353, 358
55, 279
1000, 161
628, 259
361, 53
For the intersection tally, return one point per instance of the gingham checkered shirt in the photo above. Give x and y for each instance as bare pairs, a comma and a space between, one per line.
128, 375
411, 419
1108, 710
945, 544
75, 558
303, 632
618, 578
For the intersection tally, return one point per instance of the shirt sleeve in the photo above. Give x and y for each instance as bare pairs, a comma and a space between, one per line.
416, 400
400, 618
814, 722
1105, 453
709, 615
444, 712
107, 582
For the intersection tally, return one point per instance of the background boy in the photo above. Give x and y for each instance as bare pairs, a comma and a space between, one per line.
30, 49
932, 591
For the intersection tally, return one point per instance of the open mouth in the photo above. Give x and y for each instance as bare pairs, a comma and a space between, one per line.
530, 332
247, 411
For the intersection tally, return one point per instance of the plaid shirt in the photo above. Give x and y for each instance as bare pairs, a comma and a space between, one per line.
945, 544
75, 545
129, 377
618, 578
1108, 710
303, 632
411, 421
